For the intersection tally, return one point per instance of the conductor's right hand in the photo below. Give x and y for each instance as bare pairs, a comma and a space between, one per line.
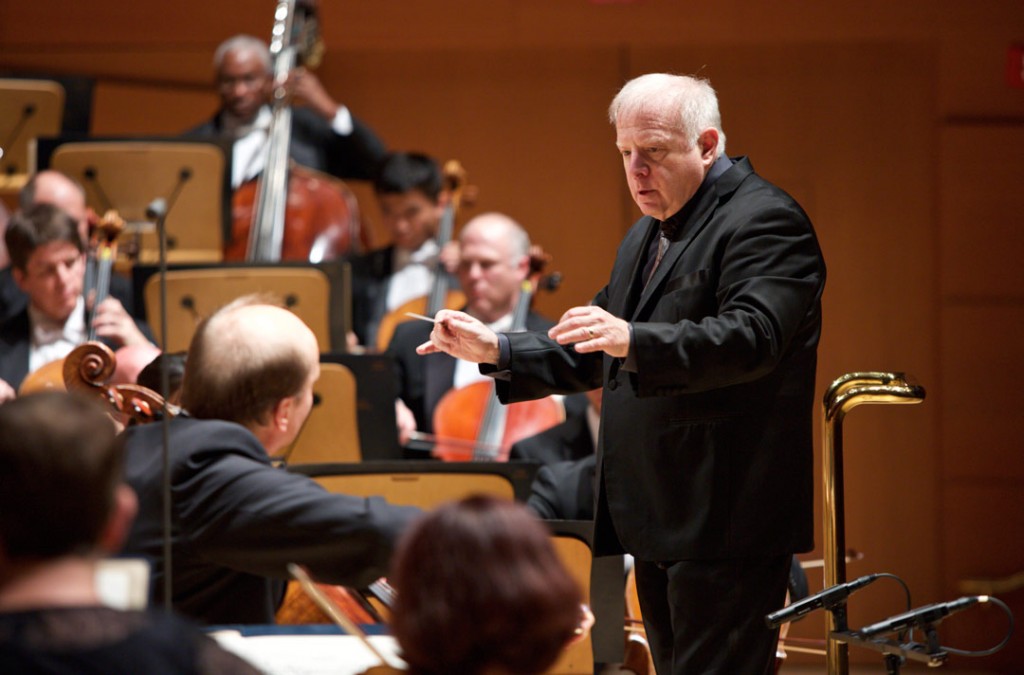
461, 336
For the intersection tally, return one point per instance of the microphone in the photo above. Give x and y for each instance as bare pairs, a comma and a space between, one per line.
156, 209
828, 598
920, 616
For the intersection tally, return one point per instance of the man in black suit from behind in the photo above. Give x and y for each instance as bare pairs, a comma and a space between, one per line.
705, 341
237, 521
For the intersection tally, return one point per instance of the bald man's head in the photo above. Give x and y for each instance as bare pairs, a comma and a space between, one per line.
56, 188
244, 359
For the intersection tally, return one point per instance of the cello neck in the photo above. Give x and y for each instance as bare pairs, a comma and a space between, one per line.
439, 289
492, 426
102, 253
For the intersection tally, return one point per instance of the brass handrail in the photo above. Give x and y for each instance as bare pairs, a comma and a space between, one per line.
844, 394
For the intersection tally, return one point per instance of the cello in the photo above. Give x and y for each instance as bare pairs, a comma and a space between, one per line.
441, 295
292, 212
471, 424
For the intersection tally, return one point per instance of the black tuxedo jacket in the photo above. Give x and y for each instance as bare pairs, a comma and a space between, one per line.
315, 145
237, 522
423, 380
16, 334
564, 490
706, 442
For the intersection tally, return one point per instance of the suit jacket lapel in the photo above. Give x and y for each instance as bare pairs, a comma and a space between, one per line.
689, 230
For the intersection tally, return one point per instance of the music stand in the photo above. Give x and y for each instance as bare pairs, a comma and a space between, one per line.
330, 323
376, 391
193, 294
127, 175
28, 109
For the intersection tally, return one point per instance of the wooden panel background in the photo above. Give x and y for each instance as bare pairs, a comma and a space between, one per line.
892, 123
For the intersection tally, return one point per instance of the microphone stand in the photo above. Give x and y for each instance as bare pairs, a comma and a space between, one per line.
158, 210
897, 654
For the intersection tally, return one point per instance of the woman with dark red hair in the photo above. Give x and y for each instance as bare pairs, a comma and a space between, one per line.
481, 591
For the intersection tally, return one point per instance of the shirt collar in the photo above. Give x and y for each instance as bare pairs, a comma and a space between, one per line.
46, 331
672, 226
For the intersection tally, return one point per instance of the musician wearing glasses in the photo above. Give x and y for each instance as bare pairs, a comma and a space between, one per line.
325, 135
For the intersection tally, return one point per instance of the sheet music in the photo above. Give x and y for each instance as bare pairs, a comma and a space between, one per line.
309, 654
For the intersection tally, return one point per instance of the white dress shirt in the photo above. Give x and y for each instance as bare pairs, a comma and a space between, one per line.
249, 153
412, 273
51, 340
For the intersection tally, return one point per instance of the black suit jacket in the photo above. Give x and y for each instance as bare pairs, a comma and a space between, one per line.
706, 446
423, 380
564, 490
16, 334
315, 145
237, 522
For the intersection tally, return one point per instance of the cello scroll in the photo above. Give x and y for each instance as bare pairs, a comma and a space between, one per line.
90, 367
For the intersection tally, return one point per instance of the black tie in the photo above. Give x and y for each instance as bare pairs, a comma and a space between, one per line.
656, 250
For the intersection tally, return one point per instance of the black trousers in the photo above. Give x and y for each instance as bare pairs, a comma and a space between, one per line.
707, 616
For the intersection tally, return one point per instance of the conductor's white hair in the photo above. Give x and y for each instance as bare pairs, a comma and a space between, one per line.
693, 99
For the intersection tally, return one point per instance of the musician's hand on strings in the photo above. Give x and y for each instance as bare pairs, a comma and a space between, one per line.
449, 256
114, 323
592, 329
586, 623
405, 420
7, 392
303, 84
461, 336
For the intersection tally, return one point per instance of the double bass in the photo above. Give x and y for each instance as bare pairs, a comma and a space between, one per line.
291, 212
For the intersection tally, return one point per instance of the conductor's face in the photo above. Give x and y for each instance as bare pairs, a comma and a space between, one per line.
244, 84
662, 168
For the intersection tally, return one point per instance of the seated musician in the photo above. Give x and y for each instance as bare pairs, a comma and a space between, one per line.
325, 136
493, 263
237, 520
48, 265
409, 192
481, 591
63, 507
53, 187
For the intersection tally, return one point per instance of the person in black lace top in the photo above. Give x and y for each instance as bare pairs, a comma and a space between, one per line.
63, 506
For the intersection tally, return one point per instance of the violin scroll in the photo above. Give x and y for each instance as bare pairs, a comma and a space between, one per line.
89, 369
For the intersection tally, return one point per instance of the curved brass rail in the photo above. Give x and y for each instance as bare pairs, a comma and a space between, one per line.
843, 395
